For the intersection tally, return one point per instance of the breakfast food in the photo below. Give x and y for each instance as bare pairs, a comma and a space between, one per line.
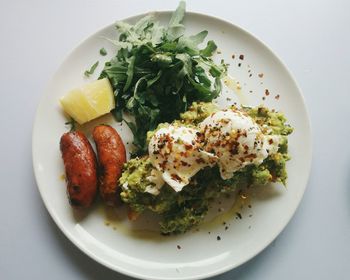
81, 168
236, 140
187, 150
111, 157
89, 101
241, 147
175, 151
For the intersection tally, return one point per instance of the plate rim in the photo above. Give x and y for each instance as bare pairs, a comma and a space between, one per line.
221, 269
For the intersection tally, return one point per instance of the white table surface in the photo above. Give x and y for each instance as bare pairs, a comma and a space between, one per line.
311, 37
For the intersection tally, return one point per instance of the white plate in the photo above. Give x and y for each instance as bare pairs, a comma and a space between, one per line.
148, 255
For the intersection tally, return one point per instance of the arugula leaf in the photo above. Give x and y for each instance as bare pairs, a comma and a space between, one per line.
158, 72
190, 44
209, 49
150, 82
143, 24
91, 71
163, 60
118, 113
129, 73
179, 14
198, 38
202, 77
175, 27
187, 64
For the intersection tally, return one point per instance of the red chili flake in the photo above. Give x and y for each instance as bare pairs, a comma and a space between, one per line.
234, 150
184, 163
267, 93
188, 146
161, 145
200, 160
241, 57
252, 156
277, 96
178, 247
175, 177
218, 238
163, 164
270, 141
261, 75
233, 56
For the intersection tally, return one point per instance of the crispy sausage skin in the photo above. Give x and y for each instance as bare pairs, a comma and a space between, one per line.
111, 155
81, 168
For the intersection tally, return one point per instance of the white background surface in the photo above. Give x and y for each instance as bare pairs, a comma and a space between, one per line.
311, 37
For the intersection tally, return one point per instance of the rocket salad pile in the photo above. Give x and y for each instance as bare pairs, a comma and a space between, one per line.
158, 72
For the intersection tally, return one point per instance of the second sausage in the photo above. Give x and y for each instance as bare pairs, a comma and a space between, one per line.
112, 156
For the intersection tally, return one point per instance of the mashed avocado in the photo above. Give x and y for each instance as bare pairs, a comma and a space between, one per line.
198, 112
183, 210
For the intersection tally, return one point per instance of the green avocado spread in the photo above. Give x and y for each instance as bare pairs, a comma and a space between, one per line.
180, 211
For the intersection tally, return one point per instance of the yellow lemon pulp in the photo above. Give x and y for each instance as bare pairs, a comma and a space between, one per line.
89, 101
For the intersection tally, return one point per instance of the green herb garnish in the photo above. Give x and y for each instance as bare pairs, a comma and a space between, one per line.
72, 123
87, 73
158, 72
103, 52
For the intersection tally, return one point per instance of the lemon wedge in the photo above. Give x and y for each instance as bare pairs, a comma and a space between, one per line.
89, 101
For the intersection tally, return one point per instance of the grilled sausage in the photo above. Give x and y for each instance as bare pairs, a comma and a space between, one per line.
112, 156
81, 168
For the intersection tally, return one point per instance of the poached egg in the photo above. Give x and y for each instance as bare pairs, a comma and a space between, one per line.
236, 140
176, 152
